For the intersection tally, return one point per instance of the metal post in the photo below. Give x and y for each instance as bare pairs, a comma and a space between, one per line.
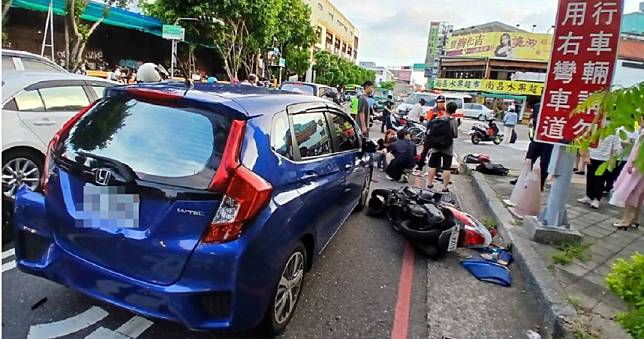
554, 214
173, 51
49, 26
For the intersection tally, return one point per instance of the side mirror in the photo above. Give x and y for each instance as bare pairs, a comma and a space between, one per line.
369, 146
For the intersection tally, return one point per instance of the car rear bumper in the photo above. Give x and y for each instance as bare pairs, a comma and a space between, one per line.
204, 298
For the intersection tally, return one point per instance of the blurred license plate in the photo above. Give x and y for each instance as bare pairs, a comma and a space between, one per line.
453, 239
108, 206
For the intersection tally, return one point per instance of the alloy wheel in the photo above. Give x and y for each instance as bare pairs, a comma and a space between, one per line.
289, 287
19, 171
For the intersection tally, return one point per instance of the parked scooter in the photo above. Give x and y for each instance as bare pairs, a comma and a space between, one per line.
480, 133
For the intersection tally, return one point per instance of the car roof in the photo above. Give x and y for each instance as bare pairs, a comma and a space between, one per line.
302, 83
15, 81
248, 100
25, 54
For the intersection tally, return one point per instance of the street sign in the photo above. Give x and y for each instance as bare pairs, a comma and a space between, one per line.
582, 63
173, 32
282, 62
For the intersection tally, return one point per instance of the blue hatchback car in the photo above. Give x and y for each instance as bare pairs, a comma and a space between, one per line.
200, 205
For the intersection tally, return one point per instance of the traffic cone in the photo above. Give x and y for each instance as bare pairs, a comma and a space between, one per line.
529, 195
527, 167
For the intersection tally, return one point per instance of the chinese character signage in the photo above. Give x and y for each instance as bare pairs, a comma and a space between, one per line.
582, 63
510, 45
490, 86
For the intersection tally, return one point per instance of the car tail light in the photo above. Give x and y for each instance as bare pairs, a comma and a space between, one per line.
153, 95
53, 143
246, 193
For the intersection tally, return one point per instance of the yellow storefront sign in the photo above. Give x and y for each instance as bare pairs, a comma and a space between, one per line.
490, 86
510, 45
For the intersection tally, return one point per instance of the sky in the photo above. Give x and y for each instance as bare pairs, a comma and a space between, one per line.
394, 33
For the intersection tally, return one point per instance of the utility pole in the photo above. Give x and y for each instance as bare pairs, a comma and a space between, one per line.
49, 26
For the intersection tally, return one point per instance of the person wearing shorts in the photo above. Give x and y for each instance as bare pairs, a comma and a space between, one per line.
442, 157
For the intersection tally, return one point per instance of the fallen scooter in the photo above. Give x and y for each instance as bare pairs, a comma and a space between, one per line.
429, 220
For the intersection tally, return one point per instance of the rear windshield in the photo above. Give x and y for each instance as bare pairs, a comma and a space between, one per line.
172, 145
299, 88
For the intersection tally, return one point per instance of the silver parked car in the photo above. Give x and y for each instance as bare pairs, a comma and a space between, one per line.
477, 111
24, 61
34, 107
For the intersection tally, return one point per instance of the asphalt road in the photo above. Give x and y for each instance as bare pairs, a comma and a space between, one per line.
351, 292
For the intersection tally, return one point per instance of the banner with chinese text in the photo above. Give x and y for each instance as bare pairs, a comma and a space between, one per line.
491, 86
582, 63
511, 45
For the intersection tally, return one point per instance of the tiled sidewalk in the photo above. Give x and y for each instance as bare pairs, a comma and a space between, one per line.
585, 281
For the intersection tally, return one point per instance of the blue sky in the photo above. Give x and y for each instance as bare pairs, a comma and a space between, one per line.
393, 34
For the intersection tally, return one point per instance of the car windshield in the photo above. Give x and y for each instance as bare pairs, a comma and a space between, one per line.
159, 143
298, 88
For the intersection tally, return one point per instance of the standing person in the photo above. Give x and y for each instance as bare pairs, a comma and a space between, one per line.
538, 150
442, 132
404, 151
629, 190
509, 121
436, 111
364, 108
417, 111
595, 184
386, 116
631, 139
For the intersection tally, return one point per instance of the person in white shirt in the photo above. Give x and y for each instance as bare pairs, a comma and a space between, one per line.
596, 184
417, 111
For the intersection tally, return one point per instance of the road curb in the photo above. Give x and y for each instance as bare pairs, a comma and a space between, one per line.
557, 314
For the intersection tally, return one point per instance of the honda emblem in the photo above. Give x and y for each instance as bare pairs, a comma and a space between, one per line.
102, 176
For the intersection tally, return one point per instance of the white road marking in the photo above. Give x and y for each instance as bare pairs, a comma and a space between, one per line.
8, 266
67, 326
134, 327
6, 254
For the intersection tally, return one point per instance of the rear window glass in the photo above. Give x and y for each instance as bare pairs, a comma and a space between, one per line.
298, 88
160, 143
38, 65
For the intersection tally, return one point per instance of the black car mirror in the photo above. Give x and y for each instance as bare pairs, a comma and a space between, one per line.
369, 146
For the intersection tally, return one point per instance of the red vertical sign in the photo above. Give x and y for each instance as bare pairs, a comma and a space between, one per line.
582, 63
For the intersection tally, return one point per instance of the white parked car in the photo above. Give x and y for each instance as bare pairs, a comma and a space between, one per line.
477, 111
13, 60
34, 107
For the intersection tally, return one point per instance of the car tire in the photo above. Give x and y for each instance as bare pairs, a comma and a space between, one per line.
364, 194
274, 324
20, 155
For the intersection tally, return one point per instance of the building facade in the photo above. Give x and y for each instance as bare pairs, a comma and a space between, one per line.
439, 32
382, 73
334, 31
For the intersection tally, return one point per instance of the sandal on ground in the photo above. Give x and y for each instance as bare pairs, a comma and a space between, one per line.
625, 226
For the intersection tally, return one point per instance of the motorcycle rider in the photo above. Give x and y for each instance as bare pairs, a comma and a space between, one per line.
434, 112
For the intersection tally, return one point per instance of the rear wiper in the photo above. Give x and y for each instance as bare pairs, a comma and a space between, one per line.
124, 170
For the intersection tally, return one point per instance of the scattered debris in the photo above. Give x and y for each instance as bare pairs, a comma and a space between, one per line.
39, 303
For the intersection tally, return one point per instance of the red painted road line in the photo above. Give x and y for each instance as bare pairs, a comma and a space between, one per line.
401, 315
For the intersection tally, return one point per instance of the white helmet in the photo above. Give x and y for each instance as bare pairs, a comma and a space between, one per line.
149, 72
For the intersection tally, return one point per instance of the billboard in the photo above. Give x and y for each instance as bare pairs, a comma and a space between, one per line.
511, 45
582, 63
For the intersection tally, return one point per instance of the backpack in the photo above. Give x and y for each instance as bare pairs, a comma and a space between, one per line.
439, 134
494, 169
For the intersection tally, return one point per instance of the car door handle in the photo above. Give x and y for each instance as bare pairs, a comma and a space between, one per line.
44, 122
308, 176
348, 167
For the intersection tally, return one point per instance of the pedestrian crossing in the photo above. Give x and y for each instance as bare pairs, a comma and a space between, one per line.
8, 260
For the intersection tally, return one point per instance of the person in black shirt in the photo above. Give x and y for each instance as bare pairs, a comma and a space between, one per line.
404, 152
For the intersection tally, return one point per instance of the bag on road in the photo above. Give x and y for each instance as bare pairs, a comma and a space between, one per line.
494, 169
476, 158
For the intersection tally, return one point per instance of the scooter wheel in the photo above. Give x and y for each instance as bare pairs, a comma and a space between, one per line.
476, 139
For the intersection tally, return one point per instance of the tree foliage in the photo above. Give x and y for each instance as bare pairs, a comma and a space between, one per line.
388, 85
250, 27
333, 70
622, 107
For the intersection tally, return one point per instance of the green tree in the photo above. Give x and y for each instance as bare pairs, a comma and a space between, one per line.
622, 107
78, 32
336, 71
387, 85
295, 35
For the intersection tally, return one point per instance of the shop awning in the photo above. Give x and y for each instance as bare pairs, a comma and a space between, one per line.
94, 11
